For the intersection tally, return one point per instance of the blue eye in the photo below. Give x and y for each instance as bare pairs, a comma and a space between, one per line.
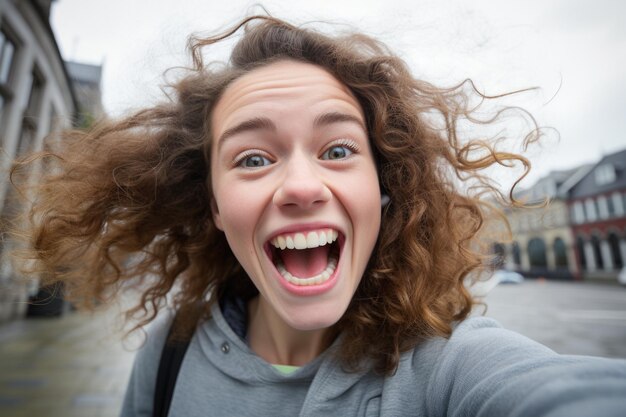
254, 161
337, 152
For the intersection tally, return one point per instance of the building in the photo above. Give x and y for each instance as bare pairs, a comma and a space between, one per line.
597, 205
543, 243
580, 233
86, 81
36, 98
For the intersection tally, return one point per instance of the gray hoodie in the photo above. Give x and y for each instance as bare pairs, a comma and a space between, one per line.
481, 370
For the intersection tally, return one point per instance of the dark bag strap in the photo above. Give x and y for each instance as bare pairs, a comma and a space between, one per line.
171, 358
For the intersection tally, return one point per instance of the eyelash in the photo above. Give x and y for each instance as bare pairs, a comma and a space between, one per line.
250, 152
348, 143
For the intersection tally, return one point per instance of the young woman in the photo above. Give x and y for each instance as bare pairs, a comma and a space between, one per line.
297, 207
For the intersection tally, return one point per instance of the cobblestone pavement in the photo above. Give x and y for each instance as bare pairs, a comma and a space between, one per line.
78, 366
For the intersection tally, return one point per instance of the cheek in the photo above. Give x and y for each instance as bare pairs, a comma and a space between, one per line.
240, 210
361, 196
234, 209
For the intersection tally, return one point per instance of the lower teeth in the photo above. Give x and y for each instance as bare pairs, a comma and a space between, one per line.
315, 280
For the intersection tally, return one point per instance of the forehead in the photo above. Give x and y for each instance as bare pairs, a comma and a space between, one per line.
282, 87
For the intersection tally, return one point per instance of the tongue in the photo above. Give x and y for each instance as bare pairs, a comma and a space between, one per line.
305, 263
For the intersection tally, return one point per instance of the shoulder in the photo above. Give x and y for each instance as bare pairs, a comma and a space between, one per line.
475, 340
483, 336
155, 336
484, 369
140, 390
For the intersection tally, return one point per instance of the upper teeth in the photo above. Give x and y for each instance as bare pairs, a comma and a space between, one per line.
307, 240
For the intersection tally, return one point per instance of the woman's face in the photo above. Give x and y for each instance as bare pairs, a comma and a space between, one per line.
295, 189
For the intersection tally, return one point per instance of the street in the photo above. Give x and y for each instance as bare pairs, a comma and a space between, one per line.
78, 366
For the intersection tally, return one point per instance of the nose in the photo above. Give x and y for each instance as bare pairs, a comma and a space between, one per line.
302, 185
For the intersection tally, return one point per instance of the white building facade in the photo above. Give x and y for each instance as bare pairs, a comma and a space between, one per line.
36, 98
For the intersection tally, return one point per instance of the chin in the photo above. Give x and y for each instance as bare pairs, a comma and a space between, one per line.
317, 320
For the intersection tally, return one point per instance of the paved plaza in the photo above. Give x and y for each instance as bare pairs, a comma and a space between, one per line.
570, 318
75, 366
78, 366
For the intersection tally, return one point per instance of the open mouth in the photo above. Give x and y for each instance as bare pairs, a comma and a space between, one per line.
306, 258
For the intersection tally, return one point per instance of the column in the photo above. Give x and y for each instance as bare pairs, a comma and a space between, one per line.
550, 256
571, 259
508, 257
590, 257
525, 260
605, 251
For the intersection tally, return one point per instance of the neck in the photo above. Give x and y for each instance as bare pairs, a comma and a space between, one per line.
278, 343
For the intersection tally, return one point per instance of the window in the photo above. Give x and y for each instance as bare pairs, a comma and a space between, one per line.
31, 115
517, 257
7, 53
616, 254
605, 174
618, 205
603, 207
610, 205
537, 253
590, 209
499, 256
579, 212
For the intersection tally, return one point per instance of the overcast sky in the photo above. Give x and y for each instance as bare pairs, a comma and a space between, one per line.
574, 50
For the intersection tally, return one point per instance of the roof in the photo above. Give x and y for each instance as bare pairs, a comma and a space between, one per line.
84, 73
574, 179
589, 185
553, 185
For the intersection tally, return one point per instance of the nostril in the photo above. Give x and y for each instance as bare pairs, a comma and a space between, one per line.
302, 194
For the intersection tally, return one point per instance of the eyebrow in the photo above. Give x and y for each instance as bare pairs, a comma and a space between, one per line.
256, 123
336, 117
264, 123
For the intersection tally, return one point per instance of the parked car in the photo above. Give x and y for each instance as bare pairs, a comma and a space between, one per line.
502, 276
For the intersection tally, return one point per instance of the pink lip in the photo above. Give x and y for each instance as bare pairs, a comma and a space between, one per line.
310, 290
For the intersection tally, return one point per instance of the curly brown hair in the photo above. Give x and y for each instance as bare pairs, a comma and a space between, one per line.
127, 203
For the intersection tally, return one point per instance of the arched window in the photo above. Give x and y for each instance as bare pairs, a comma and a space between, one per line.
499, 255
537, 253
517, 257
560, 253
613, 240
597, 252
